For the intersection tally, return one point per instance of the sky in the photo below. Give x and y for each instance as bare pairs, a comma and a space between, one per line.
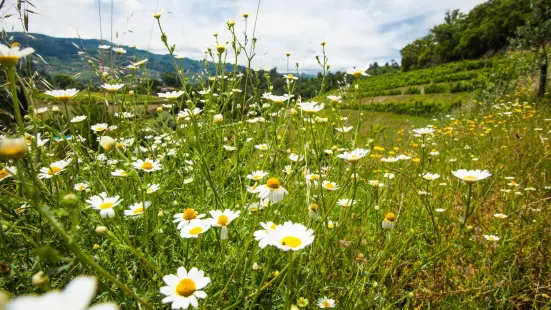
356, 32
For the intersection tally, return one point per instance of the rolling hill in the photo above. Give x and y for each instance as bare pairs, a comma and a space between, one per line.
62, 56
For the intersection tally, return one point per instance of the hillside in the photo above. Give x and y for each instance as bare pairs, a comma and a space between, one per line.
62, 57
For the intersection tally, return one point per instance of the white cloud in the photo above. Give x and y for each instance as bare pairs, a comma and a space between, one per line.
357, 32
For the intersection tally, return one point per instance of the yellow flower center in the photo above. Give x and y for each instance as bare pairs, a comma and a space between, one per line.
291, 241
326, 304
357, 74
313, 207
190, 214
470, 178
195, 230
390, 217
120, 145
53, 170
289, 76
3, 173
106, 205
257, 177
147, 166
81, 187
138, 210
186, 287
329, 185
9, 60
272, 183
64, 97
223, 220
314, 177
123, 172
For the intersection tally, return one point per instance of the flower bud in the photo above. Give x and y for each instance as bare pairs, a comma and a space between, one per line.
159, 109
255, 266
96, 246
101, 230
13, 148
69, 200
40, 280
157, 15
131, 93
220, 49
107, 143
218, 119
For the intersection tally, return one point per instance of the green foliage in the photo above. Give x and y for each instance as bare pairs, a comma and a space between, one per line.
413, 107
412, 90
460, 87
386, 84
485, 29
435, 89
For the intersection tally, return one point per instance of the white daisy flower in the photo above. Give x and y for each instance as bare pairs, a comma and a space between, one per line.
261, 235
389, 221
500, 216
184, 288
99, 127
186, 217
271, 190
171, 95
345, 202
63, 95
81, 187
223, 219
147, 165
290, 236
262, 147
151, 188
77, 295
430, 176
112, 88
423, 131
137, 209
310, 107
471, 176
194, 228
9, 55
329, 185
78, 119
357, 72
119, 50
54, 169
491, 237
257, 175
7, 172
325, 302
104, 204
354, 156
119, 173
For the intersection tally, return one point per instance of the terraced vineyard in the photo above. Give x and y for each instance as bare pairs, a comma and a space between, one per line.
422, 92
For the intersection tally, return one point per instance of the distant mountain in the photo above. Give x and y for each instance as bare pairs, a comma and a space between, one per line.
62, 56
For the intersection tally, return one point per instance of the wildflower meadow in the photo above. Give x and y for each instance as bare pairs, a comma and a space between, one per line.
223, 194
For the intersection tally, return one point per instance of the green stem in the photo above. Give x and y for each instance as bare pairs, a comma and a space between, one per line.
289, 278
15, 100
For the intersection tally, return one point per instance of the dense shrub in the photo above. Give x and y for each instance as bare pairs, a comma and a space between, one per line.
412, 90
461, 87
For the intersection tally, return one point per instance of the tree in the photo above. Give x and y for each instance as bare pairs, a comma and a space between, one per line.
536, 34
63, 81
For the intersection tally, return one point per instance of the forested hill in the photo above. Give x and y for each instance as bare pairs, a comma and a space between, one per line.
482, 32
62, 57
